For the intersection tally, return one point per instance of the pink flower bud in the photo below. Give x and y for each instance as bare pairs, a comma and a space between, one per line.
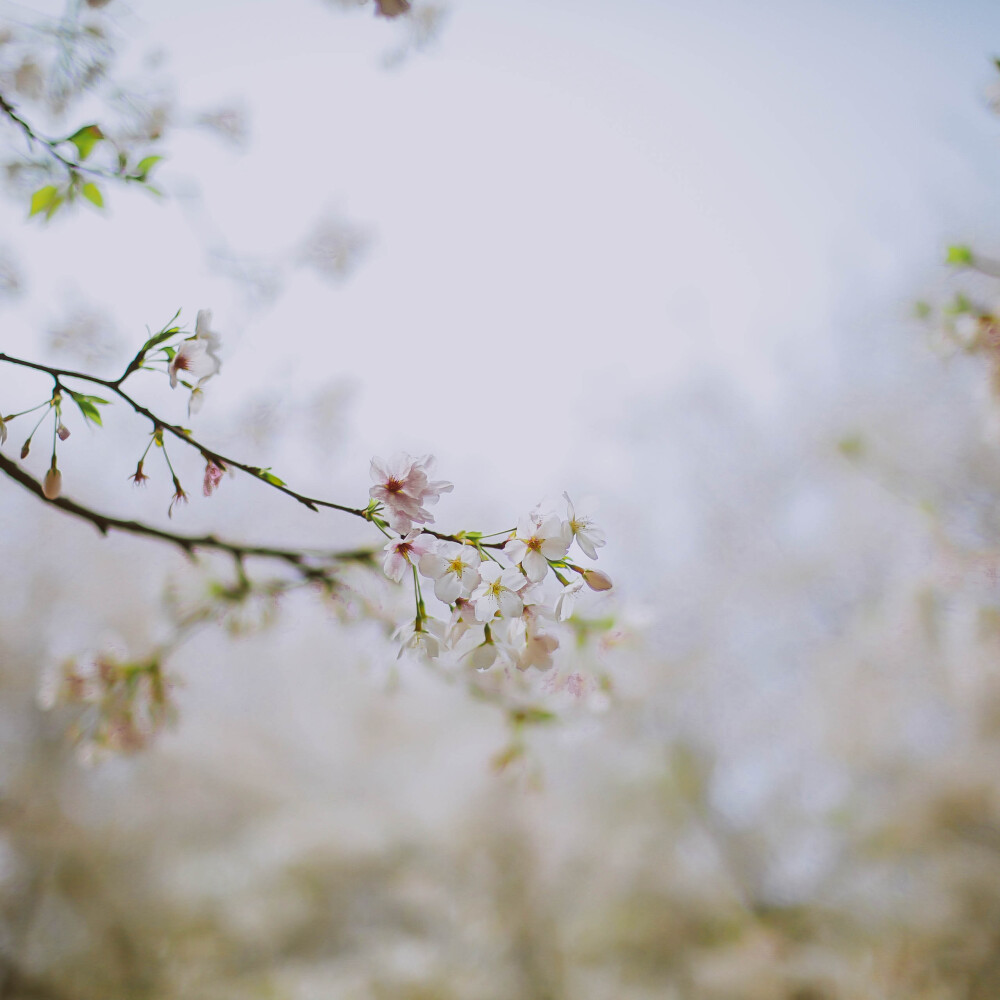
597, 580
63, 431
25, 448
52, 485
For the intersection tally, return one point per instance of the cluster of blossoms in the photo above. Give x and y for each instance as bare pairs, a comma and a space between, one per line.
504, 610
121, 705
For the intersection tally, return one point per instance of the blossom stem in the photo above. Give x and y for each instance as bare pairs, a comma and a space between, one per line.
11, 416
181, 434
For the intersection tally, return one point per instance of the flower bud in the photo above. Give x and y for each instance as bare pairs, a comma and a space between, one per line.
63, 431
52, 485
25, 448
597, 580
3, 431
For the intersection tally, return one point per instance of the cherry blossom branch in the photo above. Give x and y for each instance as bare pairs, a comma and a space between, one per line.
188, 543
209, 454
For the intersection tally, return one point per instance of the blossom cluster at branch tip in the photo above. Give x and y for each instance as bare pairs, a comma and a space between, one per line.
503, 608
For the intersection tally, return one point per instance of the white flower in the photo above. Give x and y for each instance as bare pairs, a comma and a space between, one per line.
463, 617
403, 552
483, 656
454, 569
421, 637
402, 487
566, 600
536, 543
198, 359
498, 591
581, 525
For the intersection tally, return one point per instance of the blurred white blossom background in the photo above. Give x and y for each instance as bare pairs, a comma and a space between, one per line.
663, 254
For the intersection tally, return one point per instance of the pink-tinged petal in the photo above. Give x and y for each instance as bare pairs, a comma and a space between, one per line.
433, 566
398, 522
448, 588
510, 604
512, 579
394, 566
515, 550
399, 466
535, 566
379, 472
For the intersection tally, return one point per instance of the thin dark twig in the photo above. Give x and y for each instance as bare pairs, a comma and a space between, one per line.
299, 558
115, 386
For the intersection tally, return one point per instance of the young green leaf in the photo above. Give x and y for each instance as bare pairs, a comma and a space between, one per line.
959, 256
42, 199
93, 194
143, 167
88, 406
85, 139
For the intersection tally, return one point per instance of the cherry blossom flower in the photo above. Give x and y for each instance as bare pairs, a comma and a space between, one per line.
213, 476
567, 598
402, 487
498, 592
422, 637
581, 525
537, 652
483, 656
536, 543
406, 551
463, 617
454, 569
198, 359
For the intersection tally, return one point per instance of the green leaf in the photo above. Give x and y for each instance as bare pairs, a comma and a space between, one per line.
270, 477
43, 198
959, 256
88, 406
93, 194
531, 716
143, 167
85, 139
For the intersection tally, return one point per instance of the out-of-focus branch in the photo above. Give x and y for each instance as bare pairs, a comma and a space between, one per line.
51, 146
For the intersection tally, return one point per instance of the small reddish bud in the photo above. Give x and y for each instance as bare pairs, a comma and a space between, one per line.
25, 448
63, 431
597, 580
213, 476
